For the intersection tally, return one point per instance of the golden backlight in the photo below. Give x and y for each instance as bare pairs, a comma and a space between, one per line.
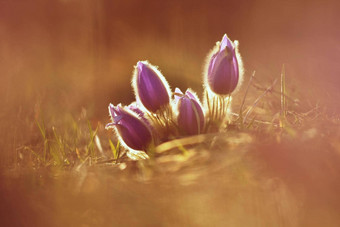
63, 59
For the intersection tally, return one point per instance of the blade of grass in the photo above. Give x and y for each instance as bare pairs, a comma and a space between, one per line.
56, 156
258, 99
244, 99
61, 145
90, 147
283, 98
118, 151
99, 146
33, 152
43, 133
113, 149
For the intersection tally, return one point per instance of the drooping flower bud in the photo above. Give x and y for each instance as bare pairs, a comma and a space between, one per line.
151, 88
224, 63
190, 117
132, 131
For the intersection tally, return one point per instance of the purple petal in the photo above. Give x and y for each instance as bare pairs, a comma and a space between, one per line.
178, 97
109, 125
190, 95
135, 108
116, 119
133, 131
150, 88
134, 136
223, 74
112, 110
226, 43
190, 117
212, 62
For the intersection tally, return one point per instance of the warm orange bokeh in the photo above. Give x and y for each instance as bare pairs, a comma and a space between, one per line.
86, 49
58, 56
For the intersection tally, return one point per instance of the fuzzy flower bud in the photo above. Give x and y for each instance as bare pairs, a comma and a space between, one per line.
132, 131
151, 88
223, 67
134, 107
190, 117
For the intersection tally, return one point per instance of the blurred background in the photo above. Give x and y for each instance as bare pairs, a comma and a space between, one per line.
62, 55
70, 57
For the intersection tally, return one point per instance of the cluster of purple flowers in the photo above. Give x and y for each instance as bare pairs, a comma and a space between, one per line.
159, 115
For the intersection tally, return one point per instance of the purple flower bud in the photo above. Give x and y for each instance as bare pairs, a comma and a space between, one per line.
151, 88
131, 130
190, 117
136, 109
223, 69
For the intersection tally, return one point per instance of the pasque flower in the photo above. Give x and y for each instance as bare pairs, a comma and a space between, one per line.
190, 117
130, 128
134, 107
223, 70
151, 88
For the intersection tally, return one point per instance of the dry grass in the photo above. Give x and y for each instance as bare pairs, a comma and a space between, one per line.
62, 62
266, 170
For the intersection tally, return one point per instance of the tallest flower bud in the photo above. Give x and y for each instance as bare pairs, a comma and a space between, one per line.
223, 71
151, 88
